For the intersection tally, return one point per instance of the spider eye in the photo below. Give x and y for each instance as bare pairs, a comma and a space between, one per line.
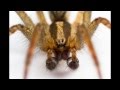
60, 41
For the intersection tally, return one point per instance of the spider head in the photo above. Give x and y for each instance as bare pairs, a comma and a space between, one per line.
60, 31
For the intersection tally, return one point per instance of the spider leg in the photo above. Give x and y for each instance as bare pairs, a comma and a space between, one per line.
73, 61
79, 18
86, 18
41, 17
73, 41
86, 29
85, 35
33, 43
43, 22
51, 62
83, 17
94, 24
26, 31
26, 19
14, 28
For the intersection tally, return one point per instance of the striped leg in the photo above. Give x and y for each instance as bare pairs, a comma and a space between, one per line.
41, 17
86, 37
87, 18
95, 23
26, 31
26, 19
33, 43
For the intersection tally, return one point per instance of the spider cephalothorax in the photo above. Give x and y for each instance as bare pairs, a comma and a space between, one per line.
60, 31
60, 38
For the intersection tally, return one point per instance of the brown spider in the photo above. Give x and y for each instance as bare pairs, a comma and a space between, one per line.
60, 38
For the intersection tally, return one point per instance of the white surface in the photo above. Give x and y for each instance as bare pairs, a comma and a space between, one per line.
19, 45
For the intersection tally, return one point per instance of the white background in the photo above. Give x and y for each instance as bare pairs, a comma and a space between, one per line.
19, 45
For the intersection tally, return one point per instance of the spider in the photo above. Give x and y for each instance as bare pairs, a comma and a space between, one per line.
60, 38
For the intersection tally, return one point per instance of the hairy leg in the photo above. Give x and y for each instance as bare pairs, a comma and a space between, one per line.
41, 38
86, 37
73, 62
51, 61
91, 29
79, 18
26, 31
83, 17
74, 42
43, 22
14, 28
41, 17
94, 24
87, 18
33, 43
87, 30
73, 51
26, 19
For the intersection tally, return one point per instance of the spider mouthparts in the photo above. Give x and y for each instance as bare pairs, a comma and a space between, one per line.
61, 45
